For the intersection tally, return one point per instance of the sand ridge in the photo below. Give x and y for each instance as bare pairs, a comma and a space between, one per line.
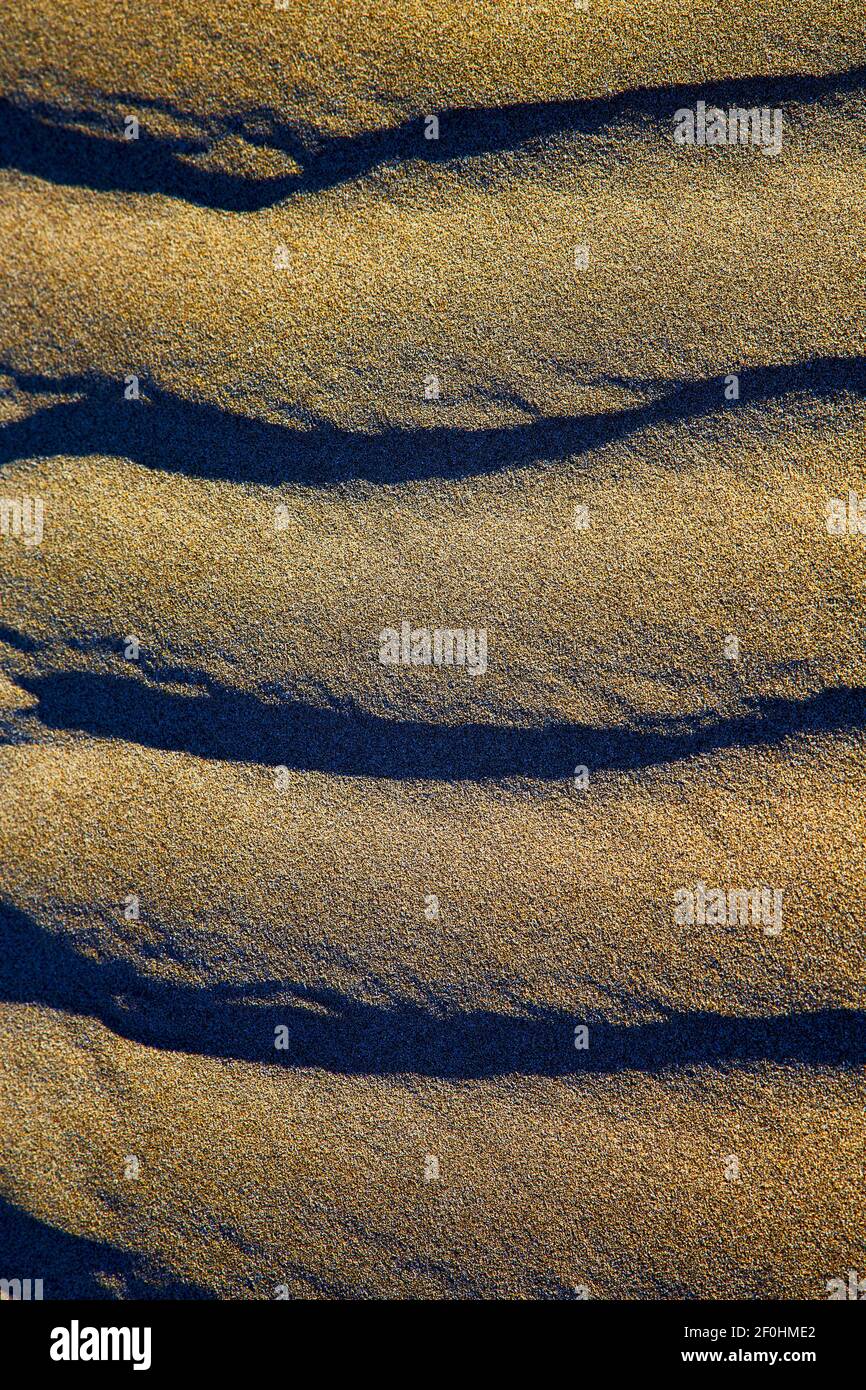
283, 372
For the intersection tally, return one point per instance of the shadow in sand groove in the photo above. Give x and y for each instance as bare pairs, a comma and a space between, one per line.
338, 1033
202, 440
347, 741
50, 142
75, 1267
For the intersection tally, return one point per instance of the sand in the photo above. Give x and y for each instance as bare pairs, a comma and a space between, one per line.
242, 828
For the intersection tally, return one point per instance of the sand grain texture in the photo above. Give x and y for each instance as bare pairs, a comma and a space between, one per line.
283, 261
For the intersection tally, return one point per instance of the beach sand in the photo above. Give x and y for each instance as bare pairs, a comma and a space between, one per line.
283, 373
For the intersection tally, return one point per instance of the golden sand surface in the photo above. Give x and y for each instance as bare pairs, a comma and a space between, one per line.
337, 67
283, 270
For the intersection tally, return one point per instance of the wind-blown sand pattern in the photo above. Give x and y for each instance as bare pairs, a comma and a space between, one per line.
243, 827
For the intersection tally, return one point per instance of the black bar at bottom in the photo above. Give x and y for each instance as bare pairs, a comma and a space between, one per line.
161, 1339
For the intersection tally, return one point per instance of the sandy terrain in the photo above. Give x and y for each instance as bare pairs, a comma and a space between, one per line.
300, 945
